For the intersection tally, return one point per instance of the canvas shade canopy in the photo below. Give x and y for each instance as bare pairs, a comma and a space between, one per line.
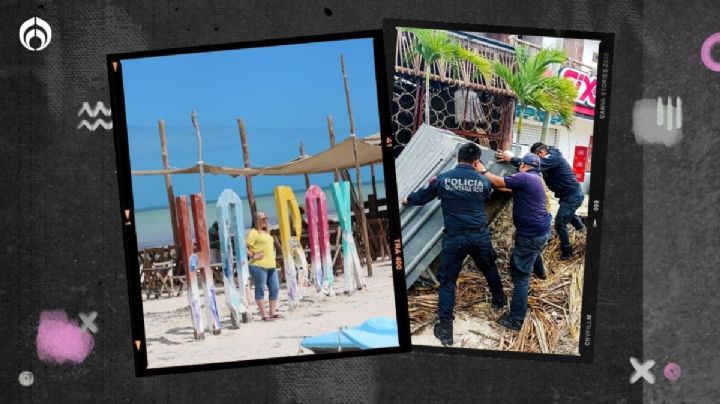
335, 158
207, 168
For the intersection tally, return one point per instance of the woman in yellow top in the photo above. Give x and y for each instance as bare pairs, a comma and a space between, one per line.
261, 251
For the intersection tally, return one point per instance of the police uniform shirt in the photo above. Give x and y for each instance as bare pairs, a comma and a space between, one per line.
462, 192
530, 215
558, 174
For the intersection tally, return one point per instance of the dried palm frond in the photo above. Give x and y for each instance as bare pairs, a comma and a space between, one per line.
554, 303
575, 302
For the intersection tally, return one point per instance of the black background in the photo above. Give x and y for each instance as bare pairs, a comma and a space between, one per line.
61, 244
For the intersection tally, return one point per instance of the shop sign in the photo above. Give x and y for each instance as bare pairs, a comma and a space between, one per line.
585, 84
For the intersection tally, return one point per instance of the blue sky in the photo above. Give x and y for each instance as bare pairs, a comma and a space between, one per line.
283, 93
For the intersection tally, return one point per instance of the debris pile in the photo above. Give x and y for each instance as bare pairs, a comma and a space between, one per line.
552, 324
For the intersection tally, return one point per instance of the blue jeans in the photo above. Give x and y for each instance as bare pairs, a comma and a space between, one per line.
566, 215
261, 277
522, 262
455, 247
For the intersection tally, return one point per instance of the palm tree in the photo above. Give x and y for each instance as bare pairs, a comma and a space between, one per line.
437, 46
532, 87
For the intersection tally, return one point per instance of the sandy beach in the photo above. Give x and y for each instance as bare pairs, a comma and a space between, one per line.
169, 332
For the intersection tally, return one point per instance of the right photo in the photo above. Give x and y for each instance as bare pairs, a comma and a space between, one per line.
493, 143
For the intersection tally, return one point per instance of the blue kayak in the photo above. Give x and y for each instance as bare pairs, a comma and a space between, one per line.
377, 332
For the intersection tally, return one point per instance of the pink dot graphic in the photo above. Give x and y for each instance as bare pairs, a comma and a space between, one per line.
706, 55
61, 340
672, 371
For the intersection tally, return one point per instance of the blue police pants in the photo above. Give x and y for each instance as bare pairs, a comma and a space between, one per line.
566, 215
522, 262
455, 247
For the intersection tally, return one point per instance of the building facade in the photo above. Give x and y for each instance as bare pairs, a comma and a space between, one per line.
467, 105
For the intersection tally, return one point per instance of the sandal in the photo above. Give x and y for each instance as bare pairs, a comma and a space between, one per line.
278, 316
267, 319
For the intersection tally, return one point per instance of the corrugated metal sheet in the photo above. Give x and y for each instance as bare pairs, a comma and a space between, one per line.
430, 152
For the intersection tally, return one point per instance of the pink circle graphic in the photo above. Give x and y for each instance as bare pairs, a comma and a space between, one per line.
705, 55
672, 371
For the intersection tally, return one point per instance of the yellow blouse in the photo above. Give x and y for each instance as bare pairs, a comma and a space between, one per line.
262, 242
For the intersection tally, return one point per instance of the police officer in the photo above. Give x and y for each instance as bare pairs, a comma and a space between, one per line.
532, 229
462, 192
561, 180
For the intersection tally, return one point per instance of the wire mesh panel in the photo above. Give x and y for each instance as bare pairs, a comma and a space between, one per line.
462, 110
460, 99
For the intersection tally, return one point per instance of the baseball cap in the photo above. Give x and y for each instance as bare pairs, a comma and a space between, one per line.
531, 160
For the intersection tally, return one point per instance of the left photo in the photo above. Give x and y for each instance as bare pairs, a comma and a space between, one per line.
254, 208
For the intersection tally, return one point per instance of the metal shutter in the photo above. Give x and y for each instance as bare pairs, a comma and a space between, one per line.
531, 134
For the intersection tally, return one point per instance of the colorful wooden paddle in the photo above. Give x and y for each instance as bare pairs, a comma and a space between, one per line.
287, 210
319, 237
230, 222
203, 254
351, 263
190, 262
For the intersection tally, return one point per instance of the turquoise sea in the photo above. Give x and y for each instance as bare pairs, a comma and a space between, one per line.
153, 224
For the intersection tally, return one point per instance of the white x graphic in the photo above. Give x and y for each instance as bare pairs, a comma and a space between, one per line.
642, 370
88, 321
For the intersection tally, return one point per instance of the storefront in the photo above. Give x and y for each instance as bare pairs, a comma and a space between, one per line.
566, 140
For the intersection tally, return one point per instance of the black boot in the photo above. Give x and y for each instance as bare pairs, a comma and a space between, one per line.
577, 223
444, 332
499, 301
539, 268
567, 253
509, 324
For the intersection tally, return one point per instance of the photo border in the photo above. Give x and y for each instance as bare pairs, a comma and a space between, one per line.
596, 194
122, 156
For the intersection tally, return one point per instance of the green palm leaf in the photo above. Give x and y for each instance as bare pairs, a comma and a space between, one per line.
483, 66
437, 46
555, 95
433, 45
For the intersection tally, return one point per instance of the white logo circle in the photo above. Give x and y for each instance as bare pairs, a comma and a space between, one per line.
35, 28
26, 378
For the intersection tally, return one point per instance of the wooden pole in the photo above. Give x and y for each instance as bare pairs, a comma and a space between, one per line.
347, 95
307, 177
201, 163
248, 178
331, 132
168, 184
372, 176
363, 221
506, 124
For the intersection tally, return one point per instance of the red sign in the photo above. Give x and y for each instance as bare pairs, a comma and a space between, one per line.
585, 84
579, 162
